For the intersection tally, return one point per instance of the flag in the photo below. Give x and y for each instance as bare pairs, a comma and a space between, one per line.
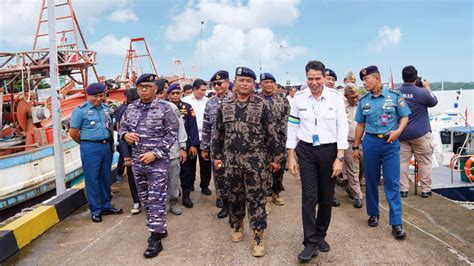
392, 83
466, 119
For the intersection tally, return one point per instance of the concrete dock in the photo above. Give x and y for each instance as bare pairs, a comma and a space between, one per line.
439, 232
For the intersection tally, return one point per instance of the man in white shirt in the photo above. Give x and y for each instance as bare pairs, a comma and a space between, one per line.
198, 101
291, 94
317, 134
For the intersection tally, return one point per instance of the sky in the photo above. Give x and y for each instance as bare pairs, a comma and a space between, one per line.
276, 36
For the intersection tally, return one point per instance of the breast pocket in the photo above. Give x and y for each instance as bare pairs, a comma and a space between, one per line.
370, 115
155, 124
92, 121
330, 114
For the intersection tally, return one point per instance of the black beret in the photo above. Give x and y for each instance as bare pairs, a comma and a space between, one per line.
221, 74
265, 76
245, 72
367, 71
147, 77
95, 88
172, 87
330, 72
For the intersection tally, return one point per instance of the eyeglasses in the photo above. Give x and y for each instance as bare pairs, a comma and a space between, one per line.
217, 83
144, 87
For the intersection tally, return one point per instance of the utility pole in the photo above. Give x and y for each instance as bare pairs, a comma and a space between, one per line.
202, 24
56, 109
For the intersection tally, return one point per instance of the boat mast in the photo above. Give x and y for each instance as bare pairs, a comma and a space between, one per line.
55, 107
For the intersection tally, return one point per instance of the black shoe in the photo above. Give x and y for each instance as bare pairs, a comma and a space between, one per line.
220, 203
308, 253
223, 213
206, 191
358, 203
112, 211
397, 232
426, 194
187, 202
335, 202
154, 246
164, 235
404, 194
97, 218
322, 245
373, 221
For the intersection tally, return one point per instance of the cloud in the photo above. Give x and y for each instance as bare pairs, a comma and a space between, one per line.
20, 17
255, 14
387, 37
123, 16
111, 46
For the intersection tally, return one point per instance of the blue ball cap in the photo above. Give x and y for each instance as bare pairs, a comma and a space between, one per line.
245, 72
367, 71
331, 73
221, 74
265, 76
95, 88
172, 87
147, 77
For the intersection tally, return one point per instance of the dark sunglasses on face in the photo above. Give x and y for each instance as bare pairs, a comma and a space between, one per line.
217, 83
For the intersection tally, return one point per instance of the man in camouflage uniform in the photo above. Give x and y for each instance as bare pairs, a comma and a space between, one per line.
151, 126
220, 82
280, 108
242, 134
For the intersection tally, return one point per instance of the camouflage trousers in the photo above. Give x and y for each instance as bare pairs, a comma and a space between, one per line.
275, 179
246, 188
151, 181
220, 183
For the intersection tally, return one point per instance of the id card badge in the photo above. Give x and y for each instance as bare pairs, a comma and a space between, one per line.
316, 140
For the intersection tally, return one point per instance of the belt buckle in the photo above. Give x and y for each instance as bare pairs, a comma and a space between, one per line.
104, 141
380, 136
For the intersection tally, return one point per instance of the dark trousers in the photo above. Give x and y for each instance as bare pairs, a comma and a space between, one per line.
132, 185
188, 172
120, 166
317, 185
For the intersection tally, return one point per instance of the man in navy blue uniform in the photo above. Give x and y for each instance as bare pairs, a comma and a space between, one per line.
190, 124
416, 138
90, 127
377, 113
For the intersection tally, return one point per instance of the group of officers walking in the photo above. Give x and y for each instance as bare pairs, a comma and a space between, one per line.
246, 140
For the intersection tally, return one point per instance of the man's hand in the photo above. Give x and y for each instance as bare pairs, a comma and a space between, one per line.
356, 154
182, 155
274, 166
293, 166
127, 161
426, 84
147, 157
131, 138
393, 136
218, 164
336, 168
205, 155
194, 152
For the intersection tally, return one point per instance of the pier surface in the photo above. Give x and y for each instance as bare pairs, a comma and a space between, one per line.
439, 232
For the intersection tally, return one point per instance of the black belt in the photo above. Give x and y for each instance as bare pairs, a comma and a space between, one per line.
379, 135
103, 141
320, 145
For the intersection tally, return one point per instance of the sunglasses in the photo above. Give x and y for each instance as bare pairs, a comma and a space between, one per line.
144, 88
217, 83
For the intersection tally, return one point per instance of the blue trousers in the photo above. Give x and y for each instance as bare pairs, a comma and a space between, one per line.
96, 165
379, 153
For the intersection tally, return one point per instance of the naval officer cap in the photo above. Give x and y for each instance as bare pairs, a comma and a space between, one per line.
147, 77
95, 88
172, 87
221, 74
266, 76
245, 72
331, 73
368, 71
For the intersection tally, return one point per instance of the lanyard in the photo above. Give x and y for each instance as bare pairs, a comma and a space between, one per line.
316, 105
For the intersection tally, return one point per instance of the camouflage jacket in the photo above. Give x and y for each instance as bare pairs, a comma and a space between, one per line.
156, 124
244, 136
210, 114
280, 108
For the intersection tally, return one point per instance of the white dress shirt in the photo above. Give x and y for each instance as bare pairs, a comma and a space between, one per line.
325, 117
198, 106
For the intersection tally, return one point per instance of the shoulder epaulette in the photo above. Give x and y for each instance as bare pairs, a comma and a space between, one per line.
363, 96
395, 91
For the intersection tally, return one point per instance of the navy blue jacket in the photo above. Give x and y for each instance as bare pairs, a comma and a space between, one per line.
124, 149
190, 124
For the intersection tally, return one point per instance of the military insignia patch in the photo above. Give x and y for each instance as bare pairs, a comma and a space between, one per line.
364, 71
150, 78
262, 76
327, 73
239, 71
218, 77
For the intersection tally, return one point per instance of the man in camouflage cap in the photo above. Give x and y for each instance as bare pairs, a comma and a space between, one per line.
243, 137
151, 126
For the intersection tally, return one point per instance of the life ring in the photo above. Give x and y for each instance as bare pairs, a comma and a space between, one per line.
467, 168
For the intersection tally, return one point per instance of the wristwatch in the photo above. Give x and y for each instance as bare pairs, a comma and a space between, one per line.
355, 148
341, 159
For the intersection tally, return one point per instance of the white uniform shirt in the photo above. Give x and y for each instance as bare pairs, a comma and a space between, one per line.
290, 99
198, 106
325, 117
